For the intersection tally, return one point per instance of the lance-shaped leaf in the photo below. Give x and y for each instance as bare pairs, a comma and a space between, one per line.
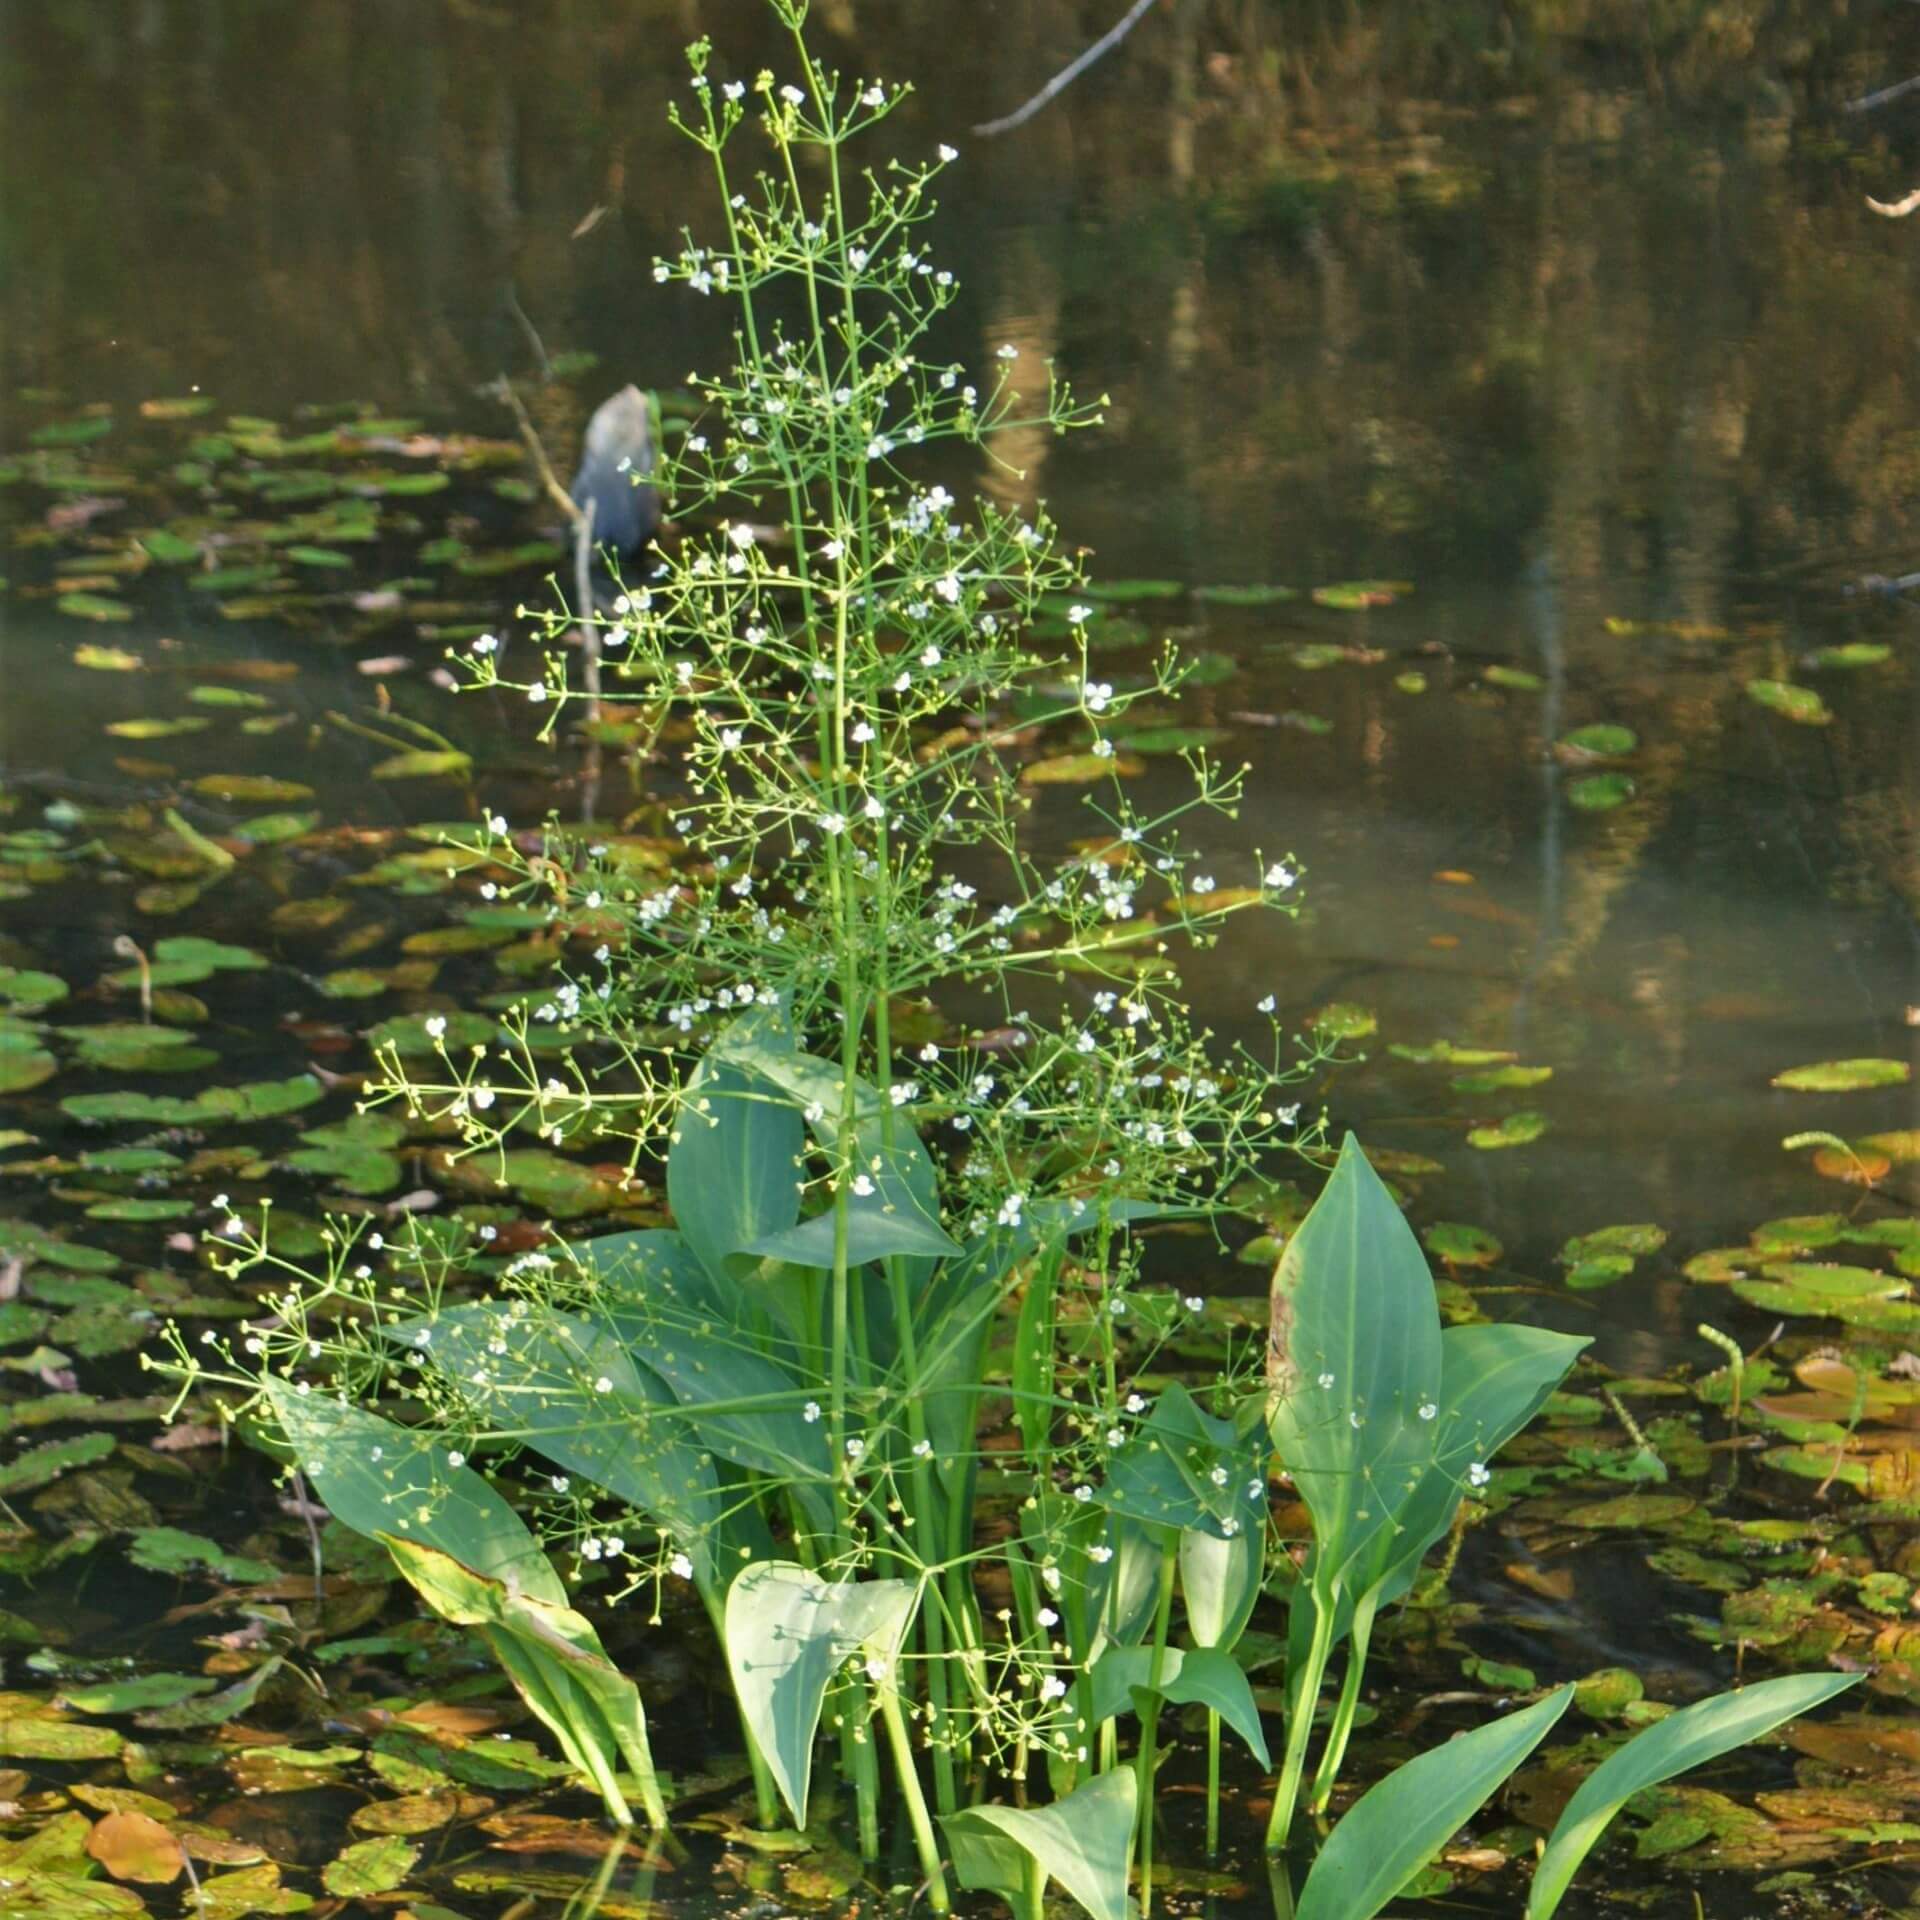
899, 1210
469, 1555
733, 1174
1353, 1357
1682, 1741
743, 1405
1393, 1830
556, 1663
1193, 1677
1494, 1379
788, 1634
1220, 1581
540, 1375
1183, 1468
1083, 1841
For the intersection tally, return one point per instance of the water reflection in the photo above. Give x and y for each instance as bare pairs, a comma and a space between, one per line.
1584, 332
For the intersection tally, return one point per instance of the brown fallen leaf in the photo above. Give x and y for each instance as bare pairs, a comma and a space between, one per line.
135, 1846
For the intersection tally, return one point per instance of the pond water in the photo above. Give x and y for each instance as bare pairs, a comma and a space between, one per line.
1571, 337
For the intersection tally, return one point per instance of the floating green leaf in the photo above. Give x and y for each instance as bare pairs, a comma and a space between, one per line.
1516, 1130
1799, 704
1844, 1076
1602, 741
1600, 792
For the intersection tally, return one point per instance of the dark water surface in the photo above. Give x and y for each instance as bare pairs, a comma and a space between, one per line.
1573, 318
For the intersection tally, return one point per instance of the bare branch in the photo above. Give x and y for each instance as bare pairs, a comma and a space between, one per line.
1068, 74
1885, 97
1896, 209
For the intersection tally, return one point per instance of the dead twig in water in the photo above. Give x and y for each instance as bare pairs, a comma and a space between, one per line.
1884, 98
581, 521
1068, 74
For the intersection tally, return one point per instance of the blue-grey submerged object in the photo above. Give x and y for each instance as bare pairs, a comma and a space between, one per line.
614, 483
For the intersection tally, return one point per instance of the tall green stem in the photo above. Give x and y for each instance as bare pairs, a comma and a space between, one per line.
1342, 1729
1150, 1717
903, 1765
1303, 1696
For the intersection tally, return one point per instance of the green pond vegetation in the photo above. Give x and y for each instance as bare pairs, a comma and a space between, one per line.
779, 1233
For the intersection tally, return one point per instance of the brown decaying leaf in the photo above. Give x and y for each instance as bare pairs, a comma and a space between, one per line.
135, 1846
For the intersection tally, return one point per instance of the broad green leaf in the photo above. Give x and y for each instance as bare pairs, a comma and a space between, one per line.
1684, 1740
1194, 1677
1182, 1468
380, 1479
1354, 1353
541, 1374
900, 1212
788, 1633
733, 1171
1392, 1831
1084, 1841
1220, 1579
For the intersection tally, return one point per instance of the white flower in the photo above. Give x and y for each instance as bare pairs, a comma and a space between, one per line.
1202, 883
1281, 876
832, 823
1052, 1687
874, 810
873, 97
1100, 1555
603, 1385
1078, 616
810, 1412
1098, 695
1083, 1493
1326, 1381
560, 1483
730, 738
482, 1097
742, 536
1428, 1410
930, 657
1194, 1303
1116, 1437
792, 95
1008, 353
862, 733
1136, 1403
456, 1458
487, 643
1477, 1474
734, 89
949, 154
1266, 1003
680, 1567
855, 1448
923, 1449
1010, 1209
436, 1025
862, 1185
536, 694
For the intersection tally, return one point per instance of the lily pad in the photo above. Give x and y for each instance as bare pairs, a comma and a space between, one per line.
1461, 1246
1798, 704
1844, 1076
1600, 792
1602, 741
1516, 1130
